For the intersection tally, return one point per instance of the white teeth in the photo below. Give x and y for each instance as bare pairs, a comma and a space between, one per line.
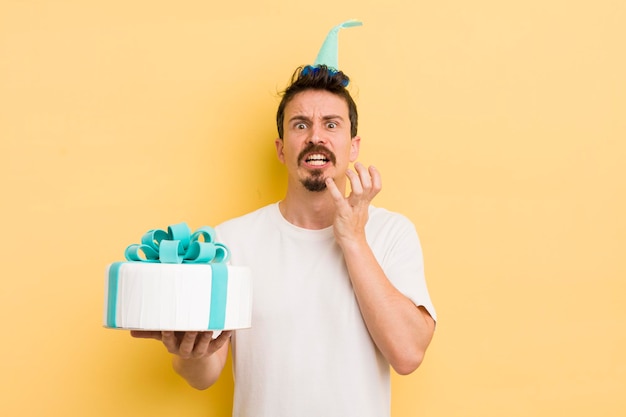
316, 159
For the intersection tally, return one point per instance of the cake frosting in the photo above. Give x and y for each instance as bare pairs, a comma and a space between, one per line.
180, 281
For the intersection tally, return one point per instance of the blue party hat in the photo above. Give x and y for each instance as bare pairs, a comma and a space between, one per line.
328, 54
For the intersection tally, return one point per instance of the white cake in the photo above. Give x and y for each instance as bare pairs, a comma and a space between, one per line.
156, 296
177, 280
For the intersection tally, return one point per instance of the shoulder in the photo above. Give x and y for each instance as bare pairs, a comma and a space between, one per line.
247, 221
391, 231
381, 219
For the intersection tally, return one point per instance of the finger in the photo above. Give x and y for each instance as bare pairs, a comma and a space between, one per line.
355, 183
145, 334
334, 191
377, 181
219, 341
364, 177
170, 341
187, 344
203, 340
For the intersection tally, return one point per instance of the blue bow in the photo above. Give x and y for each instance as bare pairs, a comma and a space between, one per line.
178, 245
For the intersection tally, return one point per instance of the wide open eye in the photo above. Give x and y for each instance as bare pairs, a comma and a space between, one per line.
331, 125
301, 126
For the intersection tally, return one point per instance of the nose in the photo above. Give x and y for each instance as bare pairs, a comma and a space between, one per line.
316, 135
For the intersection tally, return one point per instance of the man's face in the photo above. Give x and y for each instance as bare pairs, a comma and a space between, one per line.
316, 142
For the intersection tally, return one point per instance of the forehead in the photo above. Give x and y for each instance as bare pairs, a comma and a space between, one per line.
316, 103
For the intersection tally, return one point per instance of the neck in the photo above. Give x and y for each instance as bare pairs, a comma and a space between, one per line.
308, 209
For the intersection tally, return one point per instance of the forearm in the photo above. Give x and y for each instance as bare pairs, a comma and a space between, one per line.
400, 330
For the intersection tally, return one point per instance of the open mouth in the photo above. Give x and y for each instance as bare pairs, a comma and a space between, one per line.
316, 159
316, 156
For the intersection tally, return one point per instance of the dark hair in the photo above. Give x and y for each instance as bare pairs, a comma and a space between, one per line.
317, 78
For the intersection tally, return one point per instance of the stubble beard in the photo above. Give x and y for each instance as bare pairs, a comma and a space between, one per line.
315, 182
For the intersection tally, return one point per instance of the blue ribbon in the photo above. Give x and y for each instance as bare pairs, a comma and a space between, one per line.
114, 270
179, 245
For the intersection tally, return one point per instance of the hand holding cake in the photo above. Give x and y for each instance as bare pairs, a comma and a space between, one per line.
187, 345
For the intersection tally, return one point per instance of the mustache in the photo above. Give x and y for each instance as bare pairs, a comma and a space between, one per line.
317, 148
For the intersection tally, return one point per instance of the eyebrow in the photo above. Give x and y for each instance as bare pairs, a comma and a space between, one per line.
300, 118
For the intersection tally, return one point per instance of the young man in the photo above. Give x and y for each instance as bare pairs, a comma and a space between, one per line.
339, 290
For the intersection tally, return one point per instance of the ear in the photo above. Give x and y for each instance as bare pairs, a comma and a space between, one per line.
280, 145
354, 148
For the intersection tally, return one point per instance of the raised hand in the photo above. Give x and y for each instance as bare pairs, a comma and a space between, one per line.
352, 211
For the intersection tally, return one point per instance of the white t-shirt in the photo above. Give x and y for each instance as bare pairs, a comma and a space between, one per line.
308, 352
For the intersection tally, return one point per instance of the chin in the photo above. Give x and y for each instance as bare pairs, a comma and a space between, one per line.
315, 184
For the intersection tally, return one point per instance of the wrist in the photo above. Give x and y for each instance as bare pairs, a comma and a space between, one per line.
352, 244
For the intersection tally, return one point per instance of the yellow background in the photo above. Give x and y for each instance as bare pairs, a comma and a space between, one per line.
499, 128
